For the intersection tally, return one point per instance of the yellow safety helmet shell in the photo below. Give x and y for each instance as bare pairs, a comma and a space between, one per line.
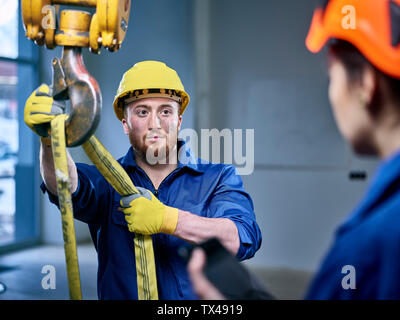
145, 76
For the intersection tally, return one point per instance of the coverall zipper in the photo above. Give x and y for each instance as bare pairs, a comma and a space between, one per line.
156, 190
178, 284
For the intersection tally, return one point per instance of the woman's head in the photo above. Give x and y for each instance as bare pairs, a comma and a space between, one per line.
364, 67
363, 98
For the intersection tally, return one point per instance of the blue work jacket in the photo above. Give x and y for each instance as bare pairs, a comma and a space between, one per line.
206, 189
364, 260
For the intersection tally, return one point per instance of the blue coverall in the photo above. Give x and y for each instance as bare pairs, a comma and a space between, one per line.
367, 245
208, 190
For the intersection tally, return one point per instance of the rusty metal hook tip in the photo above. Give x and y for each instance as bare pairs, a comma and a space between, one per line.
72, 81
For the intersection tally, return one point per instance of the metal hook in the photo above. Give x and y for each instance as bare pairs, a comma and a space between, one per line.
72, 81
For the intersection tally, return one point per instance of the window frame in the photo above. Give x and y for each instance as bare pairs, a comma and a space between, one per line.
27, 215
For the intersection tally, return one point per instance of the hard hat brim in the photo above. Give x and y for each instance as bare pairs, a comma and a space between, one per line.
317, 35
371, 34
119, 102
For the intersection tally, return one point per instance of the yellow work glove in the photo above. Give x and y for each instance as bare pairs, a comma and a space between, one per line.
145, 214
40, 109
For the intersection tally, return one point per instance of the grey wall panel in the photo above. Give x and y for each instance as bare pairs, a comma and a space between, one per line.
263, 78
293, 123
298, 212
252, 40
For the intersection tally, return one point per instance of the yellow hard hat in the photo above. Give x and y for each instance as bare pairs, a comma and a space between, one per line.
149, 79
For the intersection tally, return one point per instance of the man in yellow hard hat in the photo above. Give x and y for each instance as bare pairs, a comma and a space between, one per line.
179, 202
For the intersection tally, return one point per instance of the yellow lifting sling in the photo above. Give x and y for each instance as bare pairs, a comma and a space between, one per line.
72, 81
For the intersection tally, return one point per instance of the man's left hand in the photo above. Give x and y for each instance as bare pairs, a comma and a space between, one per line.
145, 214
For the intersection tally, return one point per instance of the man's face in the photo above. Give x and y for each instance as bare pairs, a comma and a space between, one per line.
152, 125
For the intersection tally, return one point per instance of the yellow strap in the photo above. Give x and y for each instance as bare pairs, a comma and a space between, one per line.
121, 182
119, 179
64, 196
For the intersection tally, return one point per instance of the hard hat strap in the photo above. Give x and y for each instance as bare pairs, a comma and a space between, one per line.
153, 93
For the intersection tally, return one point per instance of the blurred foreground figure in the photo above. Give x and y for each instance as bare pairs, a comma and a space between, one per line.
364, 70
201, 285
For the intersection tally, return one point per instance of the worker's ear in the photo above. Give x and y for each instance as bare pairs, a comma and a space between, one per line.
179, 122
125, 125
368, 87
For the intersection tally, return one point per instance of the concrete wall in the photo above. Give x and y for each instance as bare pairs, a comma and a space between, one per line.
158, 30
263, 78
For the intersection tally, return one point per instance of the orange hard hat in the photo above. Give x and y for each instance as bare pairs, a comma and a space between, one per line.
372, 26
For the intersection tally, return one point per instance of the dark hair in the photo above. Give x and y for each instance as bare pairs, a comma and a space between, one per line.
355, 62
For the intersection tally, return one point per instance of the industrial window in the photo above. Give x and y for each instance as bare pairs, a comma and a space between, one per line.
18, 164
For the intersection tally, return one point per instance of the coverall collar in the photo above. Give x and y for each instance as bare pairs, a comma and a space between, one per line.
384, 182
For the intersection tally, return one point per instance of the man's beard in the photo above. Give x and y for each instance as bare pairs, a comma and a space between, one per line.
157, 152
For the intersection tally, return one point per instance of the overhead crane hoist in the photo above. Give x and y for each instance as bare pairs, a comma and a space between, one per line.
74, 30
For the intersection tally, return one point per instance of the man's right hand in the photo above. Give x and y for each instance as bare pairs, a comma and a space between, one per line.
204, 289
40, 109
